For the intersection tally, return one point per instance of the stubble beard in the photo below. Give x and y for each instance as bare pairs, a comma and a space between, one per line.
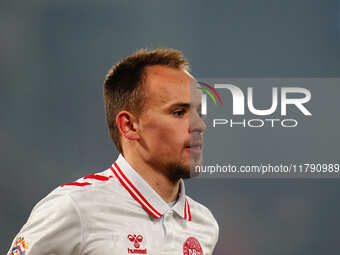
179, 170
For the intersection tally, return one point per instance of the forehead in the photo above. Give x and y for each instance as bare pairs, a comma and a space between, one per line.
167, 85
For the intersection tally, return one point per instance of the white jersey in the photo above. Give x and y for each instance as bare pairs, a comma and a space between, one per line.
116, 212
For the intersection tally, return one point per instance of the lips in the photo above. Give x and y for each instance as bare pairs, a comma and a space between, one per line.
195, 147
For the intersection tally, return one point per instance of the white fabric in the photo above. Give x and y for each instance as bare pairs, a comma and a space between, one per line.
115, 212
171, 204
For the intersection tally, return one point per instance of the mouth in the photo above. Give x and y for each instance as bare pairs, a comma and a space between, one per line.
195, 148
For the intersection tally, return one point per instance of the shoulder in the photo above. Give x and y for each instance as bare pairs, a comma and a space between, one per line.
70, 196
90, 185
53, 222
61, 215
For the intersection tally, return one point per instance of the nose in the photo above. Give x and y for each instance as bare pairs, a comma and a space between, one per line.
196, 123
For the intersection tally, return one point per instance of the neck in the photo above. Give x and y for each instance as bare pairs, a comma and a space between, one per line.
167, 189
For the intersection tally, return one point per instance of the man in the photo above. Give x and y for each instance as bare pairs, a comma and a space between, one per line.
138, 205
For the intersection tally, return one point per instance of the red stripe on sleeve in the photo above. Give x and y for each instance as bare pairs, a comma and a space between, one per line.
97, 177
81, 184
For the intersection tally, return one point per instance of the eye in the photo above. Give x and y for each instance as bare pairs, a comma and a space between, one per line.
179, 113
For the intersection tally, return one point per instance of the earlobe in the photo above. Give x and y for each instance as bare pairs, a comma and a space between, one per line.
127, 125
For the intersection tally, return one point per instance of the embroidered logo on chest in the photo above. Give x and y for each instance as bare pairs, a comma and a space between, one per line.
136, 240
192, 247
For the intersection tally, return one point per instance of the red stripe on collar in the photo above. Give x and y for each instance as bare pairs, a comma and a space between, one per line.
187, 213
134, 192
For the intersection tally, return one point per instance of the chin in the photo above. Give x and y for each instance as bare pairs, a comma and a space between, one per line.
196, 159
178, 170
183, 169
193, 167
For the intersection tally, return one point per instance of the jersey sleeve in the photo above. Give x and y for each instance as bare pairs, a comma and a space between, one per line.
54, 227
214, 228
215, 234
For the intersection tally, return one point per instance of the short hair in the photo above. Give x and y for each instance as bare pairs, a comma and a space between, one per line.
123, 85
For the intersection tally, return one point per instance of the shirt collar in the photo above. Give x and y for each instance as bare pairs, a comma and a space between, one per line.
142, 192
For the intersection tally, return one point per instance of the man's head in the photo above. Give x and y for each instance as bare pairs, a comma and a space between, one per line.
152, 108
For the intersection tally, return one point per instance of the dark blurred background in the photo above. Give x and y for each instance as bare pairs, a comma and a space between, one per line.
54, 56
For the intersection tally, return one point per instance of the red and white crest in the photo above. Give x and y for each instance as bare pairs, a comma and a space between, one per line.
192, 247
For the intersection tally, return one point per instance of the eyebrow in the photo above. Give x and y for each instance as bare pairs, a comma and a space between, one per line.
184, 105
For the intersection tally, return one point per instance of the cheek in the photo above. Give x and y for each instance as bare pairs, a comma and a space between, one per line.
164, 133
165, 136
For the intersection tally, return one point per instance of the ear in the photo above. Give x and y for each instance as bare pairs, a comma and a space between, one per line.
127, 124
